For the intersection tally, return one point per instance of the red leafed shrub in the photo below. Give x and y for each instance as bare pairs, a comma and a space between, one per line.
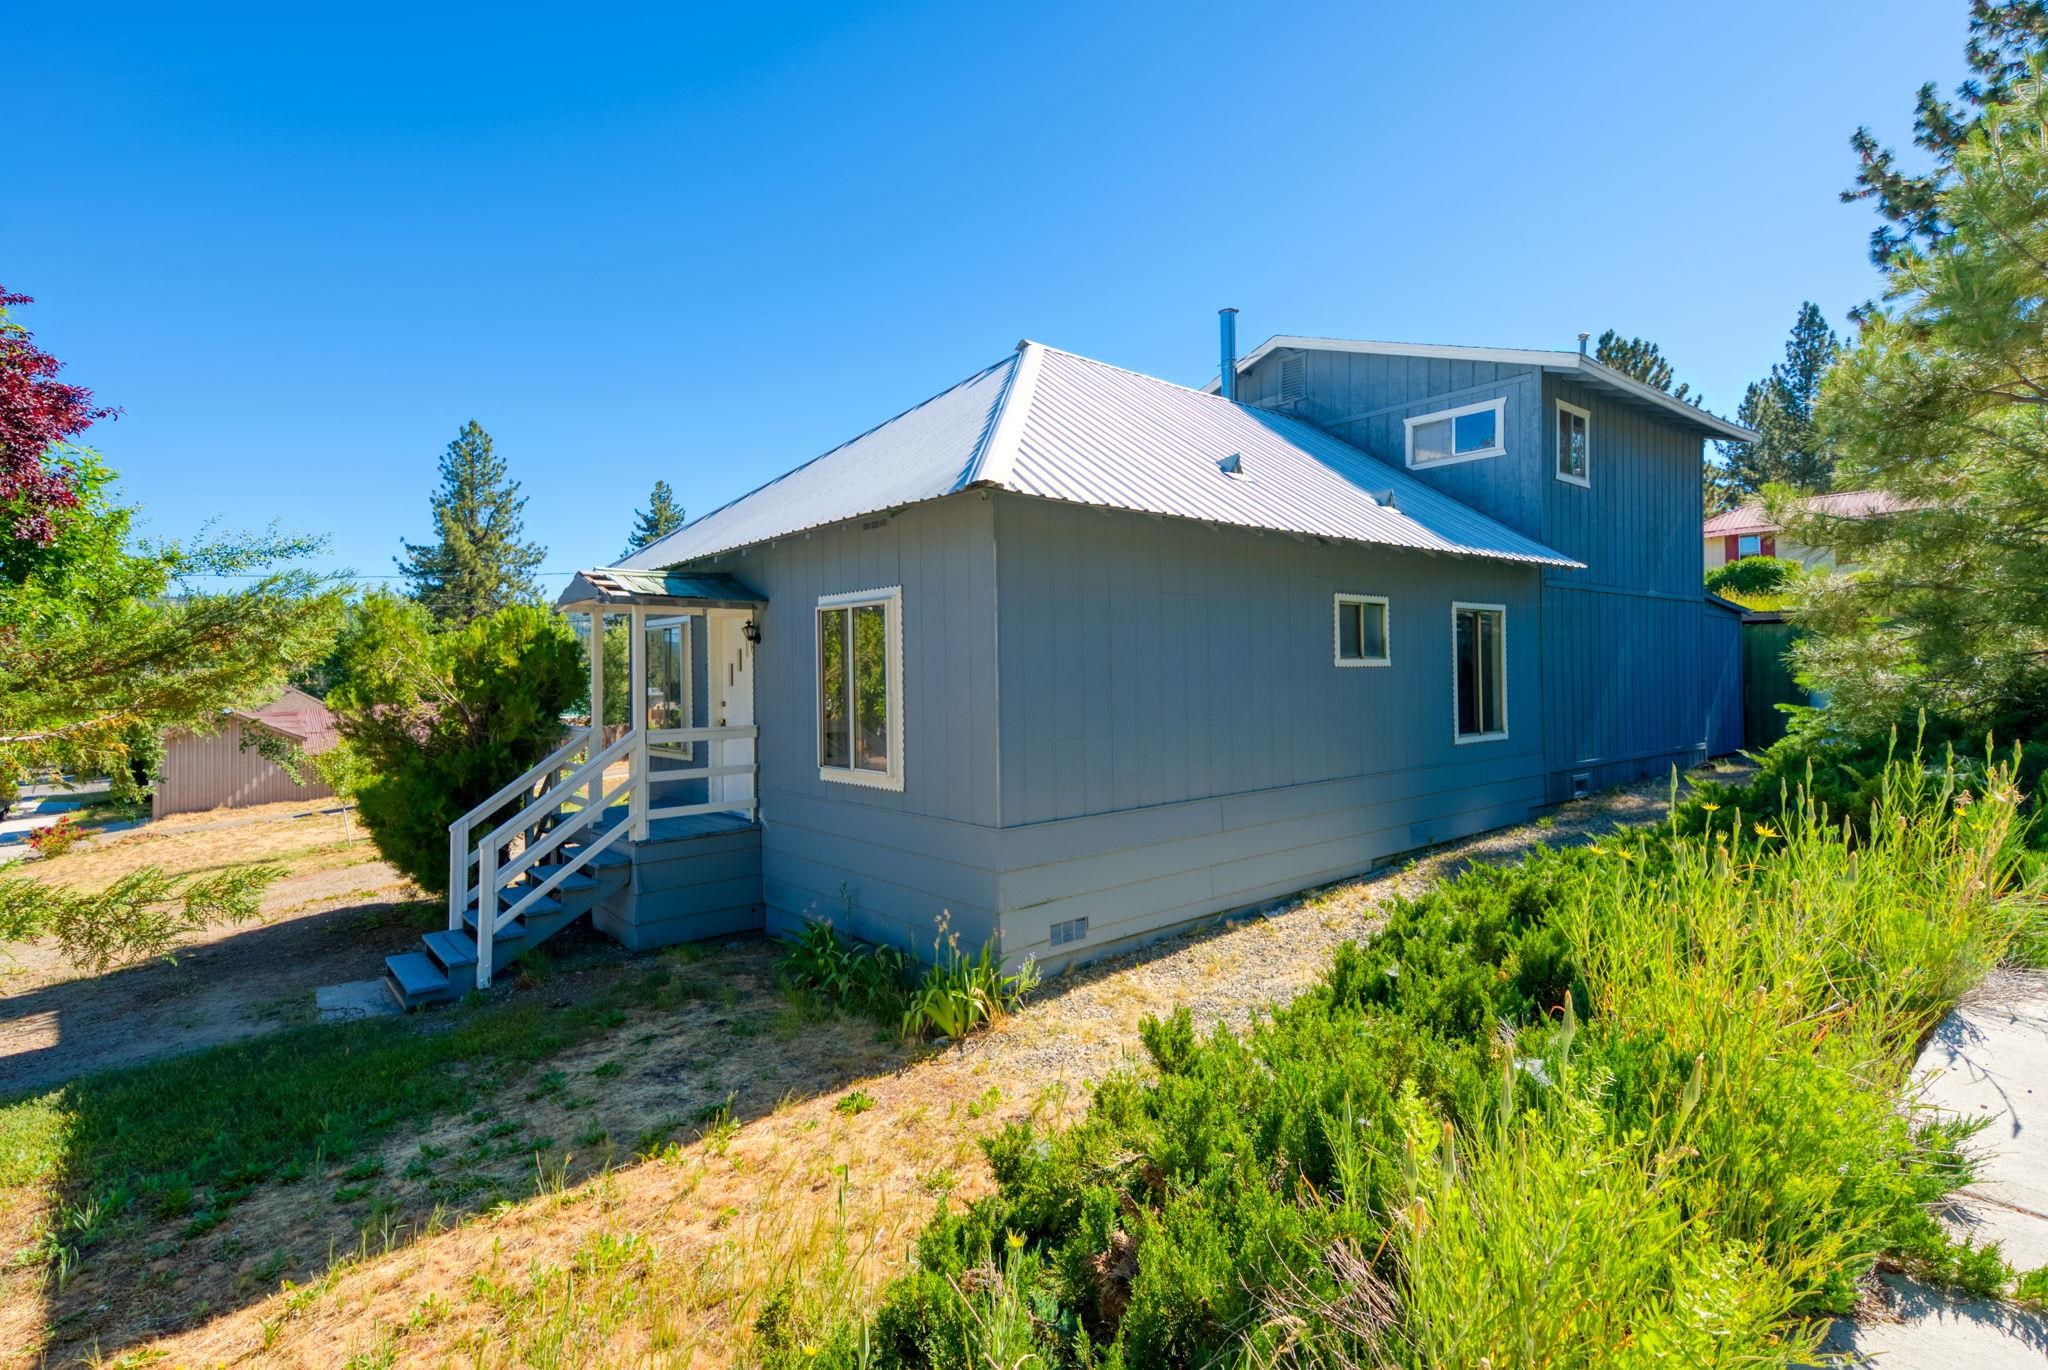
37, 411
60, 837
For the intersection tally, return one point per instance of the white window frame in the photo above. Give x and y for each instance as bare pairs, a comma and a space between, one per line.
1500, 433
1338, 605
1757, 538
1462, 739
891, 599
686, 706
1557, 440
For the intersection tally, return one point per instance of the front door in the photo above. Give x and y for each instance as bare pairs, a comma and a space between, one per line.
732, 703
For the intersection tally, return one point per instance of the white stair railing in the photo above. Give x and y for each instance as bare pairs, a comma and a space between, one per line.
571, 801
542, 826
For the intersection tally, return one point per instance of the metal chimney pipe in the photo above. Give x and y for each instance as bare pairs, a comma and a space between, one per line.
1582, 343
1228, 319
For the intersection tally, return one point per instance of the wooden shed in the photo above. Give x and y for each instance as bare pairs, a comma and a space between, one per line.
224, 769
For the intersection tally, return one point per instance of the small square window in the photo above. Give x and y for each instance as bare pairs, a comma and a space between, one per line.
1749, 545
1574, 444
1361, 630
1463, 434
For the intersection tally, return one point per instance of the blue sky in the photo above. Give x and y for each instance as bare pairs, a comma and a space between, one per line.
301, 245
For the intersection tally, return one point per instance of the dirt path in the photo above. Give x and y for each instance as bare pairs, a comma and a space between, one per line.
322, 923
838, 1147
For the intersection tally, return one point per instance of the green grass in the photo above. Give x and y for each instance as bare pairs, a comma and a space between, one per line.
198, 1131
1638, 1103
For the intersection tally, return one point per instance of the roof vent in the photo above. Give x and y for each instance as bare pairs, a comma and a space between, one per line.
1384, 499
1293, 378
1232, 465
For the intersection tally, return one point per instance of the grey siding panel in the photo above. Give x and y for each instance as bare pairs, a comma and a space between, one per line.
1217, 658
214, 771
1242, 763
1721, 666
888, 863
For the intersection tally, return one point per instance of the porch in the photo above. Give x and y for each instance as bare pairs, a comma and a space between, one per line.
655, 834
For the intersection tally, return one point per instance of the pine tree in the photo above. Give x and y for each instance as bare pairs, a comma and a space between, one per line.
661, 517
1789, 449
1640, 359
479, 564
2005, 35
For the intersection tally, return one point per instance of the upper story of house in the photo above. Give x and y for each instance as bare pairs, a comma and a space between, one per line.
1558, 447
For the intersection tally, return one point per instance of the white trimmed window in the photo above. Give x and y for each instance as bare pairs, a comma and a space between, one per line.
1479, 675
1574, 444
1453, 435
1360, 630
860, 688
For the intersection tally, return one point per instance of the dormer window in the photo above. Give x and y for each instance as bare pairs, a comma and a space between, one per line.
1454, 435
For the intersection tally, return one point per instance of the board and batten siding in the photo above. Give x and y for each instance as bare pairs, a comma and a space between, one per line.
213, 771
1626, 677
1629, 673
882, 864
1176, 740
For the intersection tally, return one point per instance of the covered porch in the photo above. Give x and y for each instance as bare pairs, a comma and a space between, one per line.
654, 833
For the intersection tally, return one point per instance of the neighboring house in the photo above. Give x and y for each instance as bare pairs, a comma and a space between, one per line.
224, 769
1749, 531
1067, 656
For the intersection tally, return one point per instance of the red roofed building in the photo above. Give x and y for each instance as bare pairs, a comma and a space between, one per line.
1749, 531
224, 769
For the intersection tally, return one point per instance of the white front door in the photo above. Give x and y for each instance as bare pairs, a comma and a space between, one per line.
731, 679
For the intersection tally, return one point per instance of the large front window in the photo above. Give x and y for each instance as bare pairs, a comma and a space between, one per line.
1479, 680
860, 688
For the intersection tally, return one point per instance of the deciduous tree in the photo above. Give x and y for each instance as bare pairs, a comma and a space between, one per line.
39, 415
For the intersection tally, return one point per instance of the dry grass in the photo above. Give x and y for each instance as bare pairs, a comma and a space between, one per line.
656, 1228
301, 837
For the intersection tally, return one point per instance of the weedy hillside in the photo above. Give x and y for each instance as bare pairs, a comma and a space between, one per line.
1646, 1101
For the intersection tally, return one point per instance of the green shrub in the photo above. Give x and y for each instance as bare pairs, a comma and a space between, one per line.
1753, 576
954, 996
869, 980
1638, 1102
58, 838
433, 723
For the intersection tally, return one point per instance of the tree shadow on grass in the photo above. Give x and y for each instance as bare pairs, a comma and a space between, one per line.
191, 1187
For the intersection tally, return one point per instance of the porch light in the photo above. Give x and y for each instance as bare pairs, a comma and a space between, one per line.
751, 631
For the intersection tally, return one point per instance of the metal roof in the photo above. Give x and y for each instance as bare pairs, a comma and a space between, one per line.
1847, 504
614, 585
1059, 426
1575, 364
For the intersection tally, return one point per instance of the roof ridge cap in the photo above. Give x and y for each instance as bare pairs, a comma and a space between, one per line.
996, 456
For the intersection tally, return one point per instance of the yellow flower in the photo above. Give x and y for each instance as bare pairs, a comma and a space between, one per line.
1016, 1240
1710, 806
810, 1348
1765, 830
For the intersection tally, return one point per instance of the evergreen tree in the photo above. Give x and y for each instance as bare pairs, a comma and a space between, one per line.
1789, 449
479, 564
1641, 359
661, 517
2005, 35
1940, 404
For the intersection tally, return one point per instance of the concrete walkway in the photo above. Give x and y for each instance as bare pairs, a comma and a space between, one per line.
1988, 1059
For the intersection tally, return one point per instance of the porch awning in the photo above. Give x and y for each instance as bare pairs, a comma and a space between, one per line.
608, 587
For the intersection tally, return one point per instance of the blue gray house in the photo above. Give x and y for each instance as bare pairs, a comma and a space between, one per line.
1068, 655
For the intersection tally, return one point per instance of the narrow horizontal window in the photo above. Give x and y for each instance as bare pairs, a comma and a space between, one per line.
1479, 673
1463, 434
860, 688
1361, 630
1574, 444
